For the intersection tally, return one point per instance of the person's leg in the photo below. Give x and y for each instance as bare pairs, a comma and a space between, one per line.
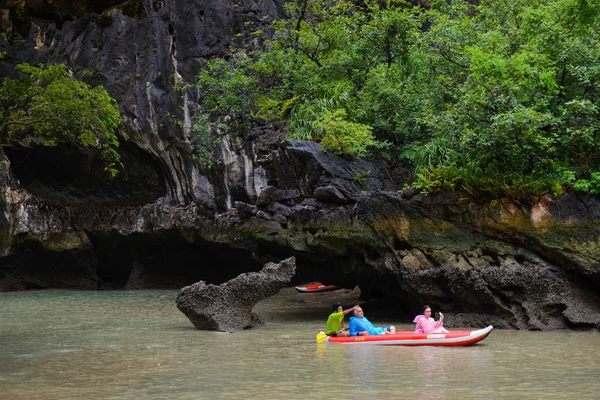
378, 331
390, 330
343, 334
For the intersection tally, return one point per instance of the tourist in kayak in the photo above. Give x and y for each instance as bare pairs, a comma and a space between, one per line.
335, 322
426, 324
361, 326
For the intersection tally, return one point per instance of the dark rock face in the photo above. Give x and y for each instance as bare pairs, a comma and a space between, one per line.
67, 175
228, 307
168, 222
139, 51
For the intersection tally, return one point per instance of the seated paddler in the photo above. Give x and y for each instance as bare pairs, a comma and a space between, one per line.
335, 322
361, 326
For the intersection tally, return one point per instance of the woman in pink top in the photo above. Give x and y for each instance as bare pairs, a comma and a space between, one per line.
426, 324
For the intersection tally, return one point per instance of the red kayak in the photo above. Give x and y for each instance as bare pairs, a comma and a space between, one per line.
316, 287
454, 338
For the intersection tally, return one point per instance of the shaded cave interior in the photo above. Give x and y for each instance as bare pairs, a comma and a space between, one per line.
68, 175
165, 261
141, 261
168, 261
116, 262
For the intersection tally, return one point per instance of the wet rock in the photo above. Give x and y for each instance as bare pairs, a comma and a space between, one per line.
228, 307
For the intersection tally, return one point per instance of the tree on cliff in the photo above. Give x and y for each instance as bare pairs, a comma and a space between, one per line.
48, 105
518, 84
493, 97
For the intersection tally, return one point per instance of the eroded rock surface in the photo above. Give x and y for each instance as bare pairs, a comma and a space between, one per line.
228, 307
168, 221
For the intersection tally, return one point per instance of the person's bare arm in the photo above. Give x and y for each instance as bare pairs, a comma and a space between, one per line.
440, 322
348, 310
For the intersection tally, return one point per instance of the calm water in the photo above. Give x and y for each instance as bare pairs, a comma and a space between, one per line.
137, 345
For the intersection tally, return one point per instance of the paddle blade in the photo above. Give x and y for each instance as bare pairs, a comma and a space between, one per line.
321, 336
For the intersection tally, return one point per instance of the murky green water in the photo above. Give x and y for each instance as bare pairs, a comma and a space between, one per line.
137, 345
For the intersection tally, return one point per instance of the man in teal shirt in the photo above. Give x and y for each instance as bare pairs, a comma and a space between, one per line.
361, 326
335, 322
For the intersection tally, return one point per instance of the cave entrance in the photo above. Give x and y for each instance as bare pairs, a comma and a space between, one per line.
68, 175
31, 266
144, 262
124, 262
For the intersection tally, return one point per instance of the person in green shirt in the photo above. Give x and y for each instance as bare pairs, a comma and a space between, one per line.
335, 322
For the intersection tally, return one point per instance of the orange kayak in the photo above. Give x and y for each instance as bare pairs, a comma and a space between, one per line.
316, 287
454, 338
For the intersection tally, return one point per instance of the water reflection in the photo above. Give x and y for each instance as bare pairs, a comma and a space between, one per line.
438, 367
363, 363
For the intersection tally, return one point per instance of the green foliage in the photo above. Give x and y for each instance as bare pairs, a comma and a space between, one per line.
592, 185
341, 136
360, 178
519, 112
226, 88
497, 98
227, 98
433, 179
308, 78
53, 107
86, 74
273, 109
3, 40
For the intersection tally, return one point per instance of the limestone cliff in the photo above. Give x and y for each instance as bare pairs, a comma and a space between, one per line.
168, 222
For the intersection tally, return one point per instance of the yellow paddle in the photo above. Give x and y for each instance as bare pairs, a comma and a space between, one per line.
321, 336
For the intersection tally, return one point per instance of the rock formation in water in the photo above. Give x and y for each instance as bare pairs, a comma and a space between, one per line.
168, 222
228, 307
